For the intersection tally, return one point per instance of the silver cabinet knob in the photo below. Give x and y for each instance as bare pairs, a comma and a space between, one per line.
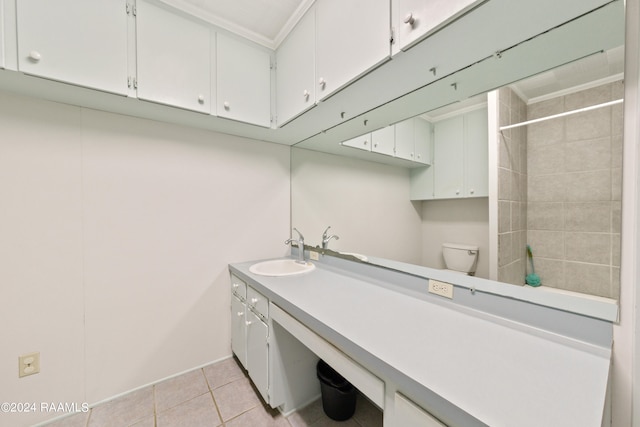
254, 300
201, 99
322, 82
471, 191
457, 191
226, 105
248, 323
306, 94
240, 313
409, 19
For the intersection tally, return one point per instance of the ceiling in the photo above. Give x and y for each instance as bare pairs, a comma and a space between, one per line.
266, 22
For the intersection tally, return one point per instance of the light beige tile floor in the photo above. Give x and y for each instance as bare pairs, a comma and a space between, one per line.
217, 395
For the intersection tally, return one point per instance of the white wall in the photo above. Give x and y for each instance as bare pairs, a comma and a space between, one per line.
115, 235
366, 204
455, 221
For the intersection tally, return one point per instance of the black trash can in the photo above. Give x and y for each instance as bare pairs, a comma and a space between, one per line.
338, 395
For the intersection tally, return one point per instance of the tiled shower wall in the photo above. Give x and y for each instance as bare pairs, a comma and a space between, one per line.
512, 189
574, 191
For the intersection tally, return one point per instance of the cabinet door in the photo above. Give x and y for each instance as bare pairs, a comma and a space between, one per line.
363, 142
295, 71
243, 81
422, 140
75, 41
239, 329
173, 57
405, 134
257, 354
416, 18
448, 152
352, 37
476, 154
383, 141
408, 414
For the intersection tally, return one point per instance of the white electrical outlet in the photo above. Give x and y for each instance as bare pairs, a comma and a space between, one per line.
313, 255
441, 288
28, 364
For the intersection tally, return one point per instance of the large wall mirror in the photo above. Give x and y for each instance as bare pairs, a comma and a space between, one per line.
554, 184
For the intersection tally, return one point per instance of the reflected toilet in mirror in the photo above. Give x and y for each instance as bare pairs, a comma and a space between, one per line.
460, 258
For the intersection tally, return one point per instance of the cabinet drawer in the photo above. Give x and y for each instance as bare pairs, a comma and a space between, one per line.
238, 287
258, 302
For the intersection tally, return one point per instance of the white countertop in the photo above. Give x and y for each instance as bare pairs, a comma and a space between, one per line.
501, 372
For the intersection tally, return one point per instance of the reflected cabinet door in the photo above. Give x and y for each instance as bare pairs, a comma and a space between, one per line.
448, 152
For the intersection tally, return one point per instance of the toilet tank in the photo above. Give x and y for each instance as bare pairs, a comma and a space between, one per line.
460, 257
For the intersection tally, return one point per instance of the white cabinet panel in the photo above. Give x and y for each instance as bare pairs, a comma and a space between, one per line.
352, 37
422, 140
173, 58
405, 144
448, 151
363, 142
383, 141
257, 353
243, 81
416, 18
408, 414
74, 41
476, 154
296, 67
239, 330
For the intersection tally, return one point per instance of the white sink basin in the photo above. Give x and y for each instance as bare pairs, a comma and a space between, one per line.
355, 255
280, 267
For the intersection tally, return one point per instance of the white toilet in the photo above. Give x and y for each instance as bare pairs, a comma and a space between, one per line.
460, 258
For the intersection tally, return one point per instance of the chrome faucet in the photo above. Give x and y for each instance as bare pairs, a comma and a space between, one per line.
300, 243
326, 238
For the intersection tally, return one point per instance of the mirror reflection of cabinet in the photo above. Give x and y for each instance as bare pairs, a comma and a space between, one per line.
460, 160
407, 140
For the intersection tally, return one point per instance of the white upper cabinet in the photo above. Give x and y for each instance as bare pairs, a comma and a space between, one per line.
352, 37
74, 41
383, 140
174, 58
296, 68
461, 156
448, 152
415, 18
243, 75
413, 140
476, 154
363, 142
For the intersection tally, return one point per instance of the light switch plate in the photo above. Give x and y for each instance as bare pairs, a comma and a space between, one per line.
441, 288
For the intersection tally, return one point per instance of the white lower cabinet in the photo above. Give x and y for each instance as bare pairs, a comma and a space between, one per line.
281, 368
408, 414
257, 353
239, 329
